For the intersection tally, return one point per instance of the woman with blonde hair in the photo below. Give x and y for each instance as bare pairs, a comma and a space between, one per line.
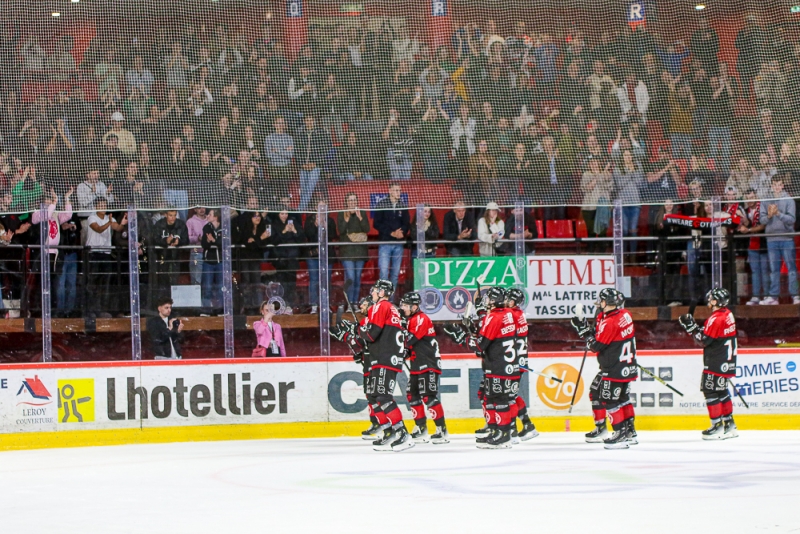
268, 334
491, 229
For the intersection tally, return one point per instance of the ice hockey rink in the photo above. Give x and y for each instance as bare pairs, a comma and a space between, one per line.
671, 482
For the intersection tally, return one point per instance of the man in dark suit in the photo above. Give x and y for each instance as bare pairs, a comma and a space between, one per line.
460, 228
165, 333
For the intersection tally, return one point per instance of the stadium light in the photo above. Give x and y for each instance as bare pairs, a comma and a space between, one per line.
75, 1
700, 7
56, 14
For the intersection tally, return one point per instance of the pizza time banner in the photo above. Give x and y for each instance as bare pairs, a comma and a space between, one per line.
555, 286
56, 397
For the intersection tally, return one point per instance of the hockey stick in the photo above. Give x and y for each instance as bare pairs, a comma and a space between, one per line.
736, 390
659, 379
347, 285
540, 374
580, 371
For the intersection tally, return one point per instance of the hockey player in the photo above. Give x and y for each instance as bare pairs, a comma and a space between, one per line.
347, 332
718, 339
515, 299
385, 342
496, 344
424, 371
613, 339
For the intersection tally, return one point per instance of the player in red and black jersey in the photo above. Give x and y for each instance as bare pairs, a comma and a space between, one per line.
718, 339
496, 344
425, 368
614, 342
386, 344
515, 299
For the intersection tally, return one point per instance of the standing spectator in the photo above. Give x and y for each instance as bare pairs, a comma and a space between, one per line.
628, 180
170, 233
509, 246
459, 228
176, 66
34, 56
391, 220
634, 99
462, 131
67, 266
268, 333
311, 234
61, 64
720, 122
303, 90
194, 229
741, 175
98, 241
431, 229
757, 255
279, 150
108, 73
482, 176
126, 140
681, 108
778, 216
165, 332
398, 153
353, 160
55, 222
255, 234
90, 190
312, 147
597, 186
211, 241
287, 257
491, 230
553, 176
353, 225
661, 181
434, 143
139, 77
705, 45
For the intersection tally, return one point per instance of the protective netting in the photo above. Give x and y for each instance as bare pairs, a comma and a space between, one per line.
266, 106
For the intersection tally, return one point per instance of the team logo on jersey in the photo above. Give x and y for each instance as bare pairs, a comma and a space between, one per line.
509, 369
457, 299
394, 360
626, 371
557, 395
76, 400
432, 300
724, 368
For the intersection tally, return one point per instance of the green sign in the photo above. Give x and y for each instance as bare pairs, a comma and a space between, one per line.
795, 9
352, 8
447, 273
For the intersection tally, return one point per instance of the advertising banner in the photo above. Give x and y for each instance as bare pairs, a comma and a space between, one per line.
555, 286
216, 392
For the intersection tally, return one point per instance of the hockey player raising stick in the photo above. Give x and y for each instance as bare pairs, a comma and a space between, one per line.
614, 342
515, 299
718, 339
425, 369
347, 332
386, 345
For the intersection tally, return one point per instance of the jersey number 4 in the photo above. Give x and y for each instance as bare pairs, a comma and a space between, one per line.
628, 351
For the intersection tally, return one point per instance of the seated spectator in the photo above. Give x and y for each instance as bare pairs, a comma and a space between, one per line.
509, 246
757, 255
303, 90
126, 140
353, 225
459, 228
431, 228
170, 233
353, 160
741, 175
491, 229
165, 332
398, 155
268, 333
778, 216
139, 77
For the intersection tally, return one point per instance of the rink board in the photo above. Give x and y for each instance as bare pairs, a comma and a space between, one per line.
64, 403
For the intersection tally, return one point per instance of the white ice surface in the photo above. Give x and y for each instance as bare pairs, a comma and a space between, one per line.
672, 483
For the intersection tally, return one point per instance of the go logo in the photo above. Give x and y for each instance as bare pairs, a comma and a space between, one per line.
557, 395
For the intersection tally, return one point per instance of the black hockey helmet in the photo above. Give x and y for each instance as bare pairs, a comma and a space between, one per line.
516, 295
364, 301
386, 286
612, 297
721, 295
411, 298
496, 297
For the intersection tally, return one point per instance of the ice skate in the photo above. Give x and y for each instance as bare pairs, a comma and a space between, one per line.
441, 436
371, 433
618, 440
384, 442
633, 437
403, 440
500, 439
514, 436
597, 435
483, 432
715, 431
528, 431
420, 434
730, 429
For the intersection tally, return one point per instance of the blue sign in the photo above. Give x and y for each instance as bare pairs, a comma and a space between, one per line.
791, 366
294, 9
439, 8
636, 12
432, 300
457, 299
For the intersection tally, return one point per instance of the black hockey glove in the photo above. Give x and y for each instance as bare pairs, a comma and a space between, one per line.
688, 324
338, 331
472, 344
455, 332
581, 326
358, 357
469, 324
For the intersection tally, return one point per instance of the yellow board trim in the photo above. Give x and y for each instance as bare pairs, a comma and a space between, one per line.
87, 438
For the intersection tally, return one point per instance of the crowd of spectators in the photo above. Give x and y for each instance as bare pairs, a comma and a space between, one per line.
213, 116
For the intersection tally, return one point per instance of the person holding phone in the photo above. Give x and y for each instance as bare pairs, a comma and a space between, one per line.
268, 334
285, 233
165, 332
